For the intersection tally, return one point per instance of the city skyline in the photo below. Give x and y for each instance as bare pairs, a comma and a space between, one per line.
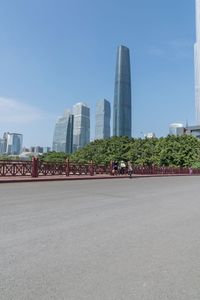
62, 55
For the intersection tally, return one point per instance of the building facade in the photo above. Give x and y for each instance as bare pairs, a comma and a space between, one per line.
122, 121
197, 63
63, 134
2, 146
81, 135
193, 130
13, 143
176, 129
46, 149
103, 113
36, 149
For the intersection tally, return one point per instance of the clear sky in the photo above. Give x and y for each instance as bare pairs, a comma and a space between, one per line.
55, 53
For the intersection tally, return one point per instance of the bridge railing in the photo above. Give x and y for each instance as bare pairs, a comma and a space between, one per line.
37, 168
155, 170
15, 168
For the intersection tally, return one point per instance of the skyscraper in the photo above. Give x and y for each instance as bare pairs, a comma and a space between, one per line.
2, 146
102, 128
63, 133
13, 143
81, 125
122, 94
197, 63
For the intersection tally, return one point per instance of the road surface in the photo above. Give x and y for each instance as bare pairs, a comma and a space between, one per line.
101, 240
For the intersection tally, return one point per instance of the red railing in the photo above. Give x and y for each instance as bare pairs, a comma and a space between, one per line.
37, 168
164, 170
15, 168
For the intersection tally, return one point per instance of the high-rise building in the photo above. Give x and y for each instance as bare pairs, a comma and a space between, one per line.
81, 125
2, 146
13, 143
46, 149
36, 149
122, 94
102, 128
197, 63
63, 133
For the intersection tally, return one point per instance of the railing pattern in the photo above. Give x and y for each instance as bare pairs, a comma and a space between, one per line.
164, 170
15, 168
46, 169
37, 168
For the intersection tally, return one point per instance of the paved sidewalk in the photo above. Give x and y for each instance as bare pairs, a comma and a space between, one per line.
57, 177
19, 178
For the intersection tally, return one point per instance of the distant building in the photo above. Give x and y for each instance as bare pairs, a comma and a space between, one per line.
150, 135
81, 135
2, 146
102, 127
122, 118
46, 149
32, 149
193, 130
25, 149
176, 129
36, 149
13, 143
63, 133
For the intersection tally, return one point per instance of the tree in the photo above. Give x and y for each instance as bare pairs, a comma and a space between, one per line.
182, 151
54, 156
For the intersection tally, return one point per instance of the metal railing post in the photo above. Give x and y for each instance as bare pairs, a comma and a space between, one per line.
34, 172
67, 167
91, 169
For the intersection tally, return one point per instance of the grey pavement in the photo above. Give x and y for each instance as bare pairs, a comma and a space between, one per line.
101, 239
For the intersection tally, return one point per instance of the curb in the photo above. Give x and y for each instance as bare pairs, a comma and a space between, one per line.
38, 179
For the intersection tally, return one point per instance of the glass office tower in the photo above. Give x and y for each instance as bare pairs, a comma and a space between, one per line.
13, 143
81, 136
2, 146
122, 94
102, 128
63, 133
197, 63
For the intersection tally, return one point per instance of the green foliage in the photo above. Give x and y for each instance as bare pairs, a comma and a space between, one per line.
54, 157
5, 157
183, 151
103, 151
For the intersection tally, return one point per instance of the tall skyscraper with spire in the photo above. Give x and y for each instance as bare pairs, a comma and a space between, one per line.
197, 63
122, 94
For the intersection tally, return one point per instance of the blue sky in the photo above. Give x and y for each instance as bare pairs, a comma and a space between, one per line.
55, 53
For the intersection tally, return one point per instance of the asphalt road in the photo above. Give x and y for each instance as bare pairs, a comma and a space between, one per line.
101, 239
